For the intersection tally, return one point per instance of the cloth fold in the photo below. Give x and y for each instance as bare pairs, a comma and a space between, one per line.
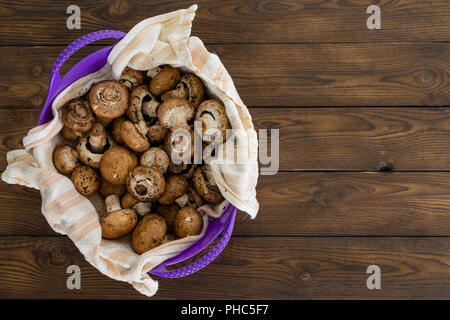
156, 41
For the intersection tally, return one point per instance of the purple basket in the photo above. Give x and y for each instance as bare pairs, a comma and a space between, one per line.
93, 63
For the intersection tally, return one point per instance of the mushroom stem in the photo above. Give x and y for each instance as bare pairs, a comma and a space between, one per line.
97, 138
142, 208
112, 203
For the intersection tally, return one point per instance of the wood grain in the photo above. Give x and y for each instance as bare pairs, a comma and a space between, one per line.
359, 138
416, 74
234, 21
278, 268
313, 203
351, 139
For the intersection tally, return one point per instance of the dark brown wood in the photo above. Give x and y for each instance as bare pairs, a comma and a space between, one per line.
348, 102
304, 203
353, 139
277, 268
235, 21
358, 74
359, 139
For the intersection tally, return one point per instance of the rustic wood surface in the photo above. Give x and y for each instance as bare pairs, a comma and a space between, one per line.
344, 98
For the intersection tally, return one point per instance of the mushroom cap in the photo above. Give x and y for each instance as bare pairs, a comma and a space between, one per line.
214, 118
145, 183
190, 198
190, 88
69, 134
184, 169
109, 99
164, 80
209, 178
176, 186
107, 189
180, 91
77, 115
175, 111
196, 89
203, 190
118, 223
149, 233
168, 212
115, 164
65, 159
156, 133
85, 180
188, 222
179, 143
133, 138
155, 157
128, 201
116, 129
142, 107
131, 78
87, 156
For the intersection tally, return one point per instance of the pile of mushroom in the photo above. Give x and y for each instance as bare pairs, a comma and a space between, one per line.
118, 143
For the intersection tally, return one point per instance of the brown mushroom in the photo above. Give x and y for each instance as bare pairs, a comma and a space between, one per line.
174, 112
116, 129
133, 138
175, 187
190, 88
145, 183
107, 189
201, 187
168, 212
142, 109
131, 78
188, 222
109, 99
179, 144
77, 115
155, 157
164, 80
184, 169
85, 180
156, 133
214, 120
116, 163
118, 222
142, 208
209, 178
128, 201
69, 134
149, 233
92, 146
65, 159
191, 198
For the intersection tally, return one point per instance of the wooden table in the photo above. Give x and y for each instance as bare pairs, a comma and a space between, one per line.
345, 99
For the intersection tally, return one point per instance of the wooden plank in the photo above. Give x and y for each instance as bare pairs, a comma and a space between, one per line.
234, 21
352, 139
313, 203
277, 268
416, 74
359, 138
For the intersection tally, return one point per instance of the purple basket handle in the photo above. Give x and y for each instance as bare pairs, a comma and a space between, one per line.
57, 84
225, 223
